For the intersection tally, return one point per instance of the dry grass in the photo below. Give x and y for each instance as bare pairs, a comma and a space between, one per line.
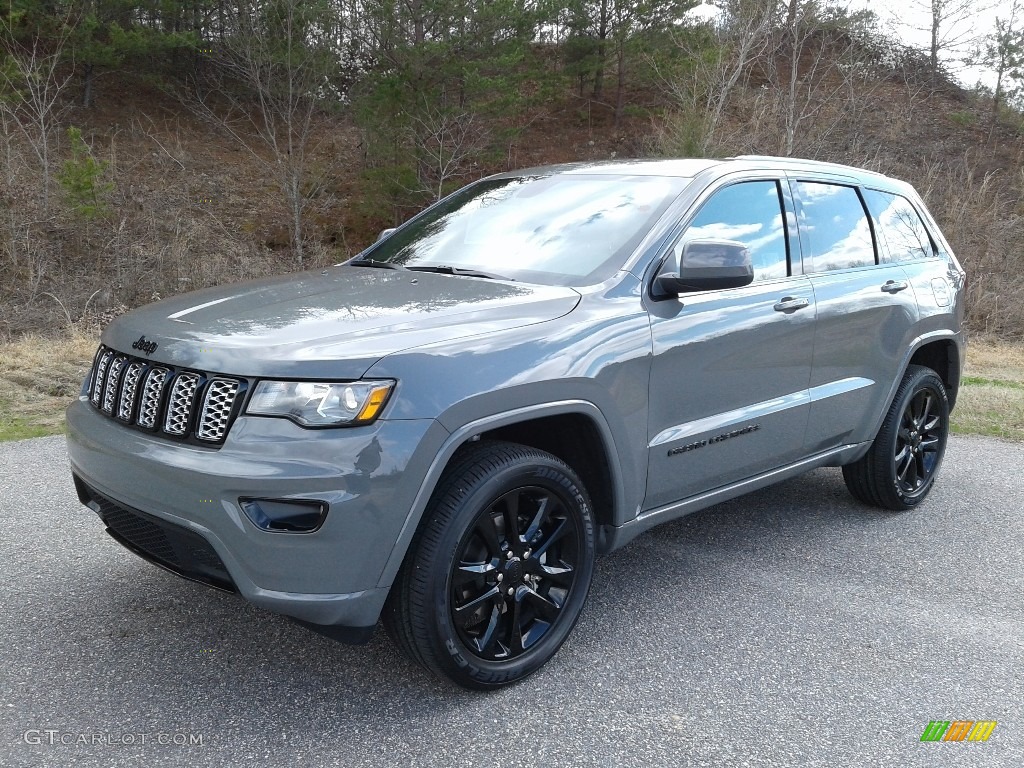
39, 376
991, 399
993, 409
999, 361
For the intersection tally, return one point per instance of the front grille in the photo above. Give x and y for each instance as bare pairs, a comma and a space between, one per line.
171, 546
158, 398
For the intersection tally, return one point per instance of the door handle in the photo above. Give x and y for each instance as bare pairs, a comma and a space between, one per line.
790, 303
894, 286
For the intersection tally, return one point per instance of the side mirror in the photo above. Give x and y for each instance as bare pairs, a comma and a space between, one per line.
709, 265
384, 233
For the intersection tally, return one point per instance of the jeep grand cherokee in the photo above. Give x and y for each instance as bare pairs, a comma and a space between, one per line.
443, 431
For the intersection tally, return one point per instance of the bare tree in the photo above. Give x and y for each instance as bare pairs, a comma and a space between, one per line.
716, 55
447, 145
821, 74
278, 52
950, 26
31, 95
1003, 53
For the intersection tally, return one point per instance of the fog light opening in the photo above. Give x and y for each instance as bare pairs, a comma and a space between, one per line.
285, 515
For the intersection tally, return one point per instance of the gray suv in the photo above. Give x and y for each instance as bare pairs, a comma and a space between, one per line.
444, 431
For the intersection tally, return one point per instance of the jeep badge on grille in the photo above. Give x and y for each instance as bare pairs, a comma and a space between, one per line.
149, 347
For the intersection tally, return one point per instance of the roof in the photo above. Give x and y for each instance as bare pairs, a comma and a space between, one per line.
688, 168
684, 168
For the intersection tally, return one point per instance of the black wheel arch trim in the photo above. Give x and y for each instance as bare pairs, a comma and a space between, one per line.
473, 429
955, 373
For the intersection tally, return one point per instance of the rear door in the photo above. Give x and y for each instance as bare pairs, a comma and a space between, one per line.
728, 394
905, 239
866, 312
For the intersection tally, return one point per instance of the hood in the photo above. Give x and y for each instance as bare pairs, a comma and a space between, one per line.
334, 323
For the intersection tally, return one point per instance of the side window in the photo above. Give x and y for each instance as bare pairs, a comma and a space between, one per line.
901, 226
750, 213
834, 228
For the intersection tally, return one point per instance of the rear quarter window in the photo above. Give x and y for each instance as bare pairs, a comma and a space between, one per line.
901, 226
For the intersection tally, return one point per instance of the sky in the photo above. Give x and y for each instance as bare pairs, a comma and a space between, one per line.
908, 20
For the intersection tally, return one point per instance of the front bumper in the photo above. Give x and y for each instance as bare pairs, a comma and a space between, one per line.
368, 477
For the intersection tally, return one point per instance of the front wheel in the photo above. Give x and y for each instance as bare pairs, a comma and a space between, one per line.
900, 467
500, 569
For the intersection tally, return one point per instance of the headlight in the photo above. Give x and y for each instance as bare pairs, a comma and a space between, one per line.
313, 404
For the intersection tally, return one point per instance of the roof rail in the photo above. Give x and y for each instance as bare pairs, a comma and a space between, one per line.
798, 161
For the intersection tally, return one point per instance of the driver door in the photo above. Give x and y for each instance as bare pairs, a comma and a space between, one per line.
731, 368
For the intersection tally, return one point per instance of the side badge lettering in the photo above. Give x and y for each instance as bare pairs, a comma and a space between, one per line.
717, 439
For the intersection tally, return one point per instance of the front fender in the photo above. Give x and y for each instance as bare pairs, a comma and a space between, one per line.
473, 430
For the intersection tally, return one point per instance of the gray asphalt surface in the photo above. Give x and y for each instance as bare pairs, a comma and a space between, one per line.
789, 628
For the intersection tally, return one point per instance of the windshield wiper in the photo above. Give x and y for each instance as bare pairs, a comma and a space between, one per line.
444, 269
376, 264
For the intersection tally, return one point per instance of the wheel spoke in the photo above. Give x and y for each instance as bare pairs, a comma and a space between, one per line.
468, 572
926, 408
901, 457
485, 643
547, 609
561, 530
920, 470
512, 517
466, 615
931, 445
910, 474
903, 462
489, 533
515, 645
916, 407
559, 576
907, 421
544, 509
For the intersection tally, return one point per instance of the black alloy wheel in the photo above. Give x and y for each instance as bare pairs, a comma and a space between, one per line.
499, 570
900, 468
918, 442
513, 573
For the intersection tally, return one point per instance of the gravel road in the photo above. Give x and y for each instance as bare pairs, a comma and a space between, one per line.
792, 627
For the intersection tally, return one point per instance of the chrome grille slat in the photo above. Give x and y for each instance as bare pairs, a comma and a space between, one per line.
216, 410
130, 388
177, 403
152, 393
113, 379
180, 403
100, 377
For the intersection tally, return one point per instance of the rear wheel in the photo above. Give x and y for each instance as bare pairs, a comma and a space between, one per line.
899, 469
499, 572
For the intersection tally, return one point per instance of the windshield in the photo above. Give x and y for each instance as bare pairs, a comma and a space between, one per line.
555, 230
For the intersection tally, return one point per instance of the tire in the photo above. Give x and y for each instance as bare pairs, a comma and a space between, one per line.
899, 469
504, 517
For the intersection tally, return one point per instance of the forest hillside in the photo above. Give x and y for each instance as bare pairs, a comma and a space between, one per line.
150, 148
